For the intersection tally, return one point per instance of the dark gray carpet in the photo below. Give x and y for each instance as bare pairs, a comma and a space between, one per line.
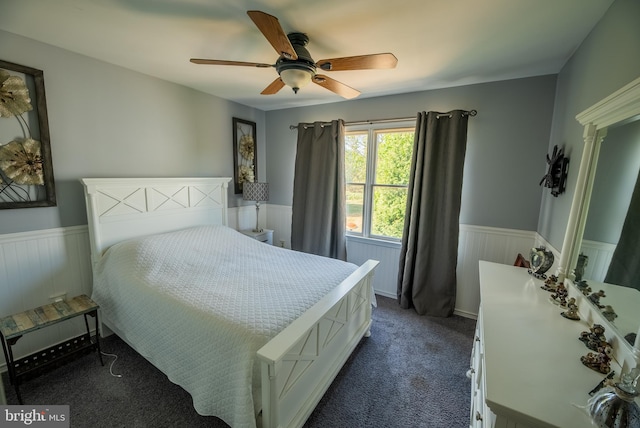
409, 373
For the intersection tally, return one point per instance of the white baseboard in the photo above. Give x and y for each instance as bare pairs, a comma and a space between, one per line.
473, 316
386, 294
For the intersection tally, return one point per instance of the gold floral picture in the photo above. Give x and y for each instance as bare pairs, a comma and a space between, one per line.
244, 153
26, 171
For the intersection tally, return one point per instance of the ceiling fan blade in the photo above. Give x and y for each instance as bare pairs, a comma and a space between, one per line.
334, 86
223, 62
359, 62
273, 87
272, 31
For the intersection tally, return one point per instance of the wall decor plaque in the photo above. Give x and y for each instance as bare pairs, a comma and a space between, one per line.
26, 168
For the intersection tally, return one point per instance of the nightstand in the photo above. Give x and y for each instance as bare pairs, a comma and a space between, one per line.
265, 236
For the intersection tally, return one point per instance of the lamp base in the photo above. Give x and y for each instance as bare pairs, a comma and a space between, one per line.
258, 230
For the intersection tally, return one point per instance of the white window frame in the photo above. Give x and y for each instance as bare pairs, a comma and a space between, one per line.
372, 155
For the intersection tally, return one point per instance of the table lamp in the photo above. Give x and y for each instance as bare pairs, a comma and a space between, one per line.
258, 192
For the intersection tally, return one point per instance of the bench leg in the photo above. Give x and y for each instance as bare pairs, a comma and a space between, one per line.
94, 314
8, 356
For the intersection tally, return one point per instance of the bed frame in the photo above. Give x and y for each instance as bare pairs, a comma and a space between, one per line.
299, 364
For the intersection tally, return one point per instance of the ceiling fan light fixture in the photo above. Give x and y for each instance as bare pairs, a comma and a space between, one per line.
296, 78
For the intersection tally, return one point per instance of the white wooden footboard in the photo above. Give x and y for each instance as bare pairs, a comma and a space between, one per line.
299, 364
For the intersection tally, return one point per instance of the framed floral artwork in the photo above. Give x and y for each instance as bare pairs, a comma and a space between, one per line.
244, 153
26, 169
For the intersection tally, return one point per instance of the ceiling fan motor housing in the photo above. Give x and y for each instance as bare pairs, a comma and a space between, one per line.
303, 68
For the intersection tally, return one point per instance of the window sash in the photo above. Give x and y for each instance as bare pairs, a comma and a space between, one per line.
369, 185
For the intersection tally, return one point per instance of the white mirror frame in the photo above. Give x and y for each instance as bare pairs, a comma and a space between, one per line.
620, 106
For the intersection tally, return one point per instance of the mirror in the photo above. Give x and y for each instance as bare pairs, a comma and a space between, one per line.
615, 179
616, 117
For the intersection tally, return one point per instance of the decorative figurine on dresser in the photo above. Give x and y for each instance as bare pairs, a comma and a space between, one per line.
559, 297
594, 339
550, 284
541, 261
572, 310
599, 360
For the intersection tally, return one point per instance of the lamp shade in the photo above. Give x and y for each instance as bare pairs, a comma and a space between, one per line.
258, 192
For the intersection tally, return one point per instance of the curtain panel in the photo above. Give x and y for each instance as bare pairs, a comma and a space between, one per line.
429, 251
319, 200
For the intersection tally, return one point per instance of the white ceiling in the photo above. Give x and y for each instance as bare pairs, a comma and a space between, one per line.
438, 43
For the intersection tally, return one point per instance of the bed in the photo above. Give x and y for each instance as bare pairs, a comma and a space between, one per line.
254, 333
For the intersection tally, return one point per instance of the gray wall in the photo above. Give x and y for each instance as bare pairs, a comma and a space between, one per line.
507, 143
109, 121
608, 59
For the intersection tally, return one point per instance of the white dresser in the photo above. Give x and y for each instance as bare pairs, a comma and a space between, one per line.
525, 364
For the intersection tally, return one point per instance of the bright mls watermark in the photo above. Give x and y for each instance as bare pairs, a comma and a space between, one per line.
34, 416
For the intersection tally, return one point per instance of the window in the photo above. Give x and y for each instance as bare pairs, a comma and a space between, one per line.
377, 167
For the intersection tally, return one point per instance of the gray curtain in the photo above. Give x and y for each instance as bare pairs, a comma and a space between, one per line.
625, 263
429, 252
319, 201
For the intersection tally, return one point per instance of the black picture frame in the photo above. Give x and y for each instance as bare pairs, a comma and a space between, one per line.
245, 164
36, 124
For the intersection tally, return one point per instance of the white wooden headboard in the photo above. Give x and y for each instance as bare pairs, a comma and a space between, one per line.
124, 208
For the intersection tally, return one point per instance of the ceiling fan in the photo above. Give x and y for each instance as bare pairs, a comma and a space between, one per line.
295, 66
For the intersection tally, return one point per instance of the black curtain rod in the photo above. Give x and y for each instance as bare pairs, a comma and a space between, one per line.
398, 119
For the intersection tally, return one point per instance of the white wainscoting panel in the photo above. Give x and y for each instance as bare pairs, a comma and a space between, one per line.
385, 280
245, 217
34, 266
600, 254
485, 243
279, 219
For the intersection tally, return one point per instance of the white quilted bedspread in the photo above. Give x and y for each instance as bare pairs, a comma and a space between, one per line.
198, 304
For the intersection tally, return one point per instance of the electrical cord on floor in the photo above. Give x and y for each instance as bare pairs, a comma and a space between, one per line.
115, 357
